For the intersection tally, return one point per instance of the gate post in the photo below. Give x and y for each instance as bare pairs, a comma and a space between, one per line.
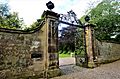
51, 56
89, 30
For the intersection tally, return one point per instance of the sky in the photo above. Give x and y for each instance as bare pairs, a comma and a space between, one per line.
31, 10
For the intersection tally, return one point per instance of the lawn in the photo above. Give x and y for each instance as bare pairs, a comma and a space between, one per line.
64, 55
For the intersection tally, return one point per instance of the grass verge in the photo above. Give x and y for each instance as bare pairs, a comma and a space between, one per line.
64, 55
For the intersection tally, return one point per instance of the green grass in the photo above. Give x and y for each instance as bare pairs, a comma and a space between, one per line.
64, 55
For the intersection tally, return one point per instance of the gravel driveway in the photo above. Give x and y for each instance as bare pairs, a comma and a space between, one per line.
105, 71
66, 61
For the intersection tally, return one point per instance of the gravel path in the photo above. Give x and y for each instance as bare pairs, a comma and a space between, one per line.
106, 71
66, 61
69, 69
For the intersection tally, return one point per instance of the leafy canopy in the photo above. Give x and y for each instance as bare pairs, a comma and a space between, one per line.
106, 17
9, 20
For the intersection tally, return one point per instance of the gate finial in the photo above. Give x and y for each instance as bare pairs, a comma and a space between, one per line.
87, 18
50, 5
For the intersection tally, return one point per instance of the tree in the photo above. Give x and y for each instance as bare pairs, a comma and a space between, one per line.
34, 25
71, 39
106, 17
4, 10
9, 20
67, 39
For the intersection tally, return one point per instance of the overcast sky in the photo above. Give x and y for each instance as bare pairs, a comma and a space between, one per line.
30, 10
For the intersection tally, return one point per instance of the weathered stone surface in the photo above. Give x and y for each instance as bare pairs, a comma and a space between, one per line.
24, 55
96, 51
15, 54
107, 52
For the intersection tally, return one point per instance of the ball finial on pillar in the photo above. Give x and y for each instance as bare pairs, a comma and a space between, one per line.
50, 5
87, 18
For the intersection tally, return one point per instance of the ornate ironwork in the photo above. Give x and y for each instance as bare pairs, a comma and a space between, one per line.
70, 19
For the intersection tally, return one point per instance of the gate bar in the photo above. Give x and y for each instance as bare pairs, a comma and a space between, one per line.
80, 26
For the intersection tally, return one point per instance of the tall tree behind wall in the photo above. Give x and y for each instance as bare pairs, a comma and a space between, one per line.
9, 20
106, 17
67, 39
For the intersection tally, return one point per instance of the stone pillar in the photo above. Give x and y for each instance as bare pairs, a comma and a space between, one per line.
51, 56
89, 45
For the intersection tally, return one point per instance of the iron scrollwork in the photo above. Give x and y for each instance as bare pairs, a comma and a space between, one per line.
70, 19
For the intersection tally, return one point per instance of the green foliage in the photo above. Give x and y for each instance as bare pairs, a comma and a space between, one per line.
106, 17
34, 25
9, 20
79, 41
67, 39
71, 39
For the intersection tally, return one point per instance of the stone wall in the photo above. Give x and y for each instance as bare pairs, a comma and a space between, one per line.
30, 54
107, 52
17, 54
